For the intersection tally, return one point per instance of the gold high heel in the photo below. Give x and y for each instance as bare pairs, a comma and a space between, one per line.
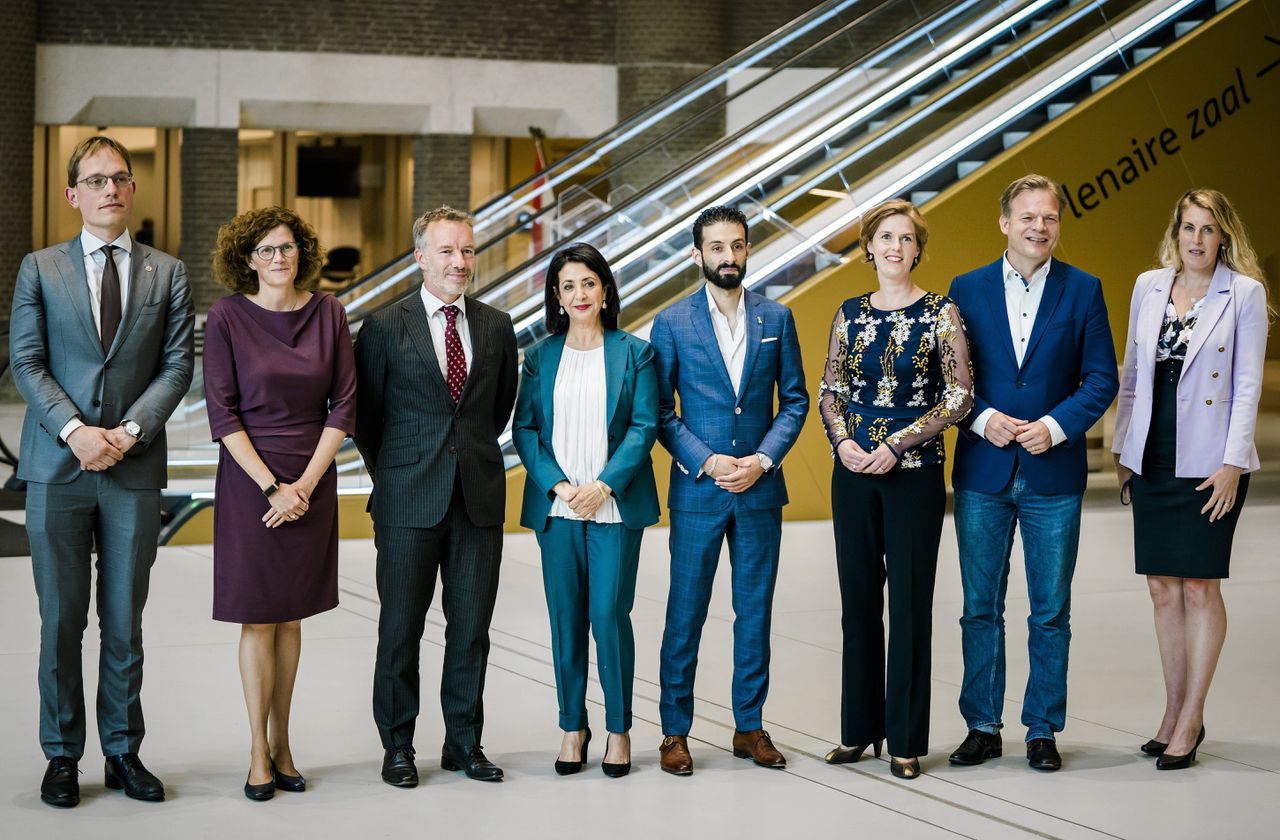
848, 755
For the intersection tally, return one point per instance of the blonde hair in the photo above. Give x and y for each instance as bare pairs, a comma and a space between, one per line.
1028, 183
1235, 252
872, 219
443, 213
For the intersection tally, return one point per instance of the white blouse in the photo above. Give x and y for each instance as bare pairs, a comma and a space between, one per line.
579, 433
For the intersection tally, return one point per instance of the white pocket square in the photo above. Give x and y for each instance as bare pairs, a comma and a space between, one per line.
767, 340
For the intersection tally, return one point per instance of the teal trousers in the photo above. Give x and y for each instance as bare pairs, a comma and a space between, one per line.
589, 573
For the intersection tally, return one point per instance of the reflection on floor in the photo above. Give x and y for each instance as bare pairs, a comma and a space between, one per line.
197, 736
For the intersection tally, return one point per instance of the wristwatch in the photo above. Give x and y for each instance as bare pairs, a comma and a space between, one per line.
132, 429
270, 489
766, 463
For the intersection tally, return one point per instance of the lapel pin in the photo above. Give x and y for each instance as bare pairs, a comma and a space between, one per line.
759, 319
148, 266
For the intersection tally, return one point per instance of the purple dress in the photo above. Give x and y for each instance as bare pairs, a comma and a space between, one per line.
282, 377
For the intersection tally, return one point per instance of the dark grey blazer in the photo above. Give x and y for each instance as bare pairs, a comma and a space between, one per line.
414, 440
61, 371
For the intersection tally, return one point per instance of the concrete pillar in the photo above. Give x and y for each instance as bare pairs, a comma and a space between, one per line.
209, 172
441, 172
17, 122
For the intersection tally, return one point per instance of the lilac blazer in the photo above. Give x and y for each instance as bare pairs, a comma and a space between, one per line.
1221, 377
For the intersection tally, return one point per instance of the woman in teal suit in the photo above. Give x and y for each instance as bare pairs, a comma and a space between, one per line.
586, 418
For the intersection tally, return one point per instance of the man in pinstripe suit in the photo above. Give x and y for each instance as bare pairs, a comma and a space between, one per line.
436, 385
727, 444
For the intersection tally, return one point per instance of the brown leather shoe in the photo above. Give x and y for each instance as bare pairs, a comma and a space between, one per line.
757, 746
675, 755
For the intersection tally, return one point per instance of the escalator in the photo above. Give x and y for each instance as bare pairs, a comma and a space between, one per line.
849, 105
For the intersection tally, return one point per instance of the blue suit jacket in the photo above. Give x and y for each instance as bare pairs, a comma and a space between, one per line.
712, 419
632, 396
1068, 372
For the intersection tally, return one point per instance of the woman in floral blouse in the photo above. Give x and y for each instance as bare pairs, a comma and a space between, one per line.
897, 374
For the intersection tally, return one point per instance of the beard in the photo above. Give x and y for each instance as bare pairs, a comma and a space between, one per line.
724, 281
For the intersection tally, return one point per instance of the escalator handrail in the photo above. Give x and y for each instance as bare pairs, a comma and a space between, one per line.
718, 148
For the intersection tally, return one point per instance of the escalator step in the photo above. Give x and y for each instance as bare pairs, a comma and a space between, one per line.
1182, 27
1141, 54
921, 197
1219, 5
1012, 138
1097, 83
876, 125
1057, 109
918, 98
965, 167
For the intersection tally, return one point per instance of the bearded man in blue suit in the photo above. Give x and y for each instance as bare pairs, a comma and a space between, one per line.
1044, 371
726, 352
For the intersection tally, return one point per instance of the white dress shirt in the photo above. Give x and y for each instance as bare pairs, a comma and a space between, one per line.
437, 320
1022, 302
579, 427
94, 263
732, 342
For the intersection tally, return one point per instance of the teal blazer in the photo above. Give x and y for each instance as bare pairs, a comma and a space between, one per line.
632, 420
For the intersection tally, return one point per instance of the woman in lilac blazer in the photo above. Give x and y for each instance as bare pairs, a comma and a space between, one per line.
1184, 443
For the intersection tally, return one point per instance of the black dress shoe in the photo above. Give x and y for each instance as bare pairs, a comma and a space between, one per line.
125, 772
1180, 762
61, 787
1154, 747
470, 760
293, 784
398, 769
977, 747
1042, 754
259, 793
568, 768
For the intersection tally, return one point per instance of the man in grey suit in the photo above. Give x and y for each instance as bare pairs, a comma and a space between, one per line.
101, 350
436, 382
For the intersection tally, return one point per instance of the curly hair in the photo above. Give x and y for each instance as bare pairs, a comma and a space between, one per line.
238, 237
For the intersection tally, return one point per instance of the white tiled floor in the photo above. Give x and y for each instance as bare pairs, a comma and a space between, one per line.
197, 738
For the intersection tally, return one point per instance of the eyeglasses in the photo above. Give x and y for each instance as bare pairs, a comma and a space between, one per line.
267, 253
98, 182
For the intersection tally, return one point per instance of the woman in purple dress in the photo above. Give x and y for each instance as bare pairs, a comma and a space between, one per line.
279, 380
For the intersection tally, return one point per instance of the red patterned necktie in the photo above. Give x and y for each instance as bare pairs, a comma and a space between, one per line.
109, 302
455, 359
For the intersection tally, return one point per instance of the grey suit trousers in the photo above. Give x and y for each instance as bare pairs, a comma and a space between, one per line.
64, 521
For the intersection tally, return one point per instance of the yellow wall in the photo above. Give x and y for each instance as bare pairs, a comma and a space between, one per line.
1118, 239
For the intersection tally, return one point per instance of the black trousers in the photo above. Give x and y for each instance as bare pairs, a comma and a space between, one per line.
887, 526
466, 557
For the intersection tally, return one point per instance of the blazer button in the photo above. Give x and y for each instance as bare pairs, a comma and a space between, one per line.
737, 409
610, 437
734, 443
96, 403
107, 366
453, 450
1019, 384
1215, 374
1222, 349
1208, 402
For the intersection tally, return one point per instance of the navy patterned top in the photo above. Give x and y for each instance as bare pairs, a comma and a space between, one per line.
897, 377
1175, 332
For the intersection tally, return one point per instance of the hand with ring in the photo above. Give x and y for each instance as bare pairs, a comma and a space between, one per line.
288, 504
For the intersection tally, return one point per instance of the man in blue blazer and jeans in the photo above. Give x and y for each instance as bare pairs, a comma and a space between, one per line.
725, 351
1044, 370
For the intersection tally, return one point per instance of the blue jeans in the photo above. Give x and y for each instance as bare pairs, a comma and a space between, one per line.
985, 524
